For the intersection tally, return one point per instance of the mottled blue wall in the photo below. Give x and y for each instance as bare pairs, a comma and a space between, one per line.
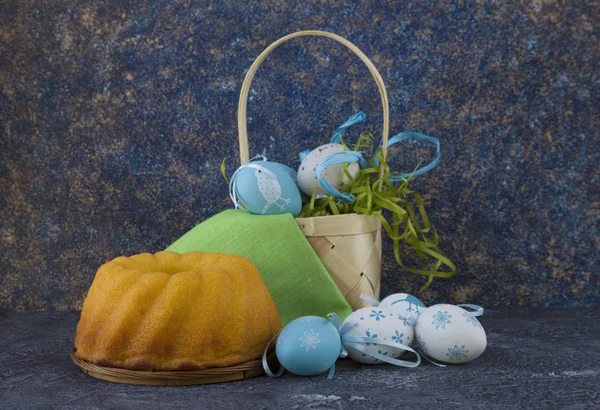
115, 117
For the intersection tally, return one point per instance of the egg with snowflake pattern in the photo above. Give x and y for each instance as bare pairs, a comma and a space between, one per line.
377, 323
450, 334
408, 307
308, 346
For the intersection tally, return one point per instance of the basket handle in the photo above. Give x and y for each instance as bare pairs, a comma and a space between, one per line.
242, 130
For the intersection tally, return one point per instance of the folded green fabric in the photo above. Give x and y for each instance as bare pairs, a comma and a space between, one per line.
297, 280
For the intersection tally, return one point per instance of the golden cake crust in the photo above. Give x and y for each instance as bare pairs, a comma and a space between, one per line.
176, 312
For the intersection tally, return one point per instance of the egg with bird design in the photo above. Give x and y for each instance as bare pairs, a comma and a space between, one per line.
265, 188
408, 307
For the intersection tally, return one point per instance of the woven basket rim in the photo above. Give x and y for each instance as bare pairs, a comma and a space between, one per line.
340, 216
342, 224
240, 371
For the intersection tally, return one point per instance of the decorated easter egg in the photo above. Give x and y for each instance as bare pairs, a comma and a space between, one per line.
377, 324
308, 346
450, 334
307, 173
408, 307
292, 173
266, 188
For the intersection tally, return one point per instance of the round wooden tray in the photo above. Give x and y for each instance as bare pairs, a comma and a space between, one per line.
174, 378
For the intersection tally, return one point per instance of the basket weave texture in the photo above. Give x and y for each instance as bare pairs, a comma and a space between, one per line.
349, 246
173, 378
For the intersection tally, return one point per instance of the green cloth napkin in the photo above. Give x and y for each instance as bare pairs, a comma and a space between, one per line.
297, 280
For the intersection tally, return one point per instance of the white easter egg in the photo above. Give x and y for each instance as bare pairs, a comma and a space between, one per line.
307, 173
450, 334
408, 307
382, 324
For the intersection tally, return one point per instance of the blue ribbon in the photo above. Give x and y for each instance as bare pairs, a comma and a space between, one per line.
303, 154
369, 299
430, 360
415, 135
265, 362
336, 137
233, 181
342, 157
477, 310
361, 344
342, 328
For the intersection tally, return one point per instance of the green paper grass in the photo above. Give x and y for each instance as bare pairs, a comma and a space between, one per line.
405, 223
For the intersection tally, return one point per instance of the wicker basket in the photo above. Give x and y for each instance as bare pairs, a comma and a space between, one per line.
349, 246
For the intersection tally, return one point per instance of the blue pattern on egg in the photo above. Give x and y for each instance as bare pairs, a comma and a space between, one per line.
378, 324
267, 188
407, 307
450, 334
308, 346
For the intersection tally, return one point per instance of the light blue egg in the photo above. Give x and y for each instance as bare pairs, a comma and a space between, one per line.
308, 346
266, 188
291, 172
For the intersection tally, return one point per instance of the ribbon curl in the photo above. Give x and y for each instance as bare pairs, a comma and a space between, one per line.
344, 157
477, 310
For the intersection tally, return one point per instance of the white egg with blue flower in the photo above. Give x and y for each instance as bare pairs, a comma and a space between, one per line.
377, 323
450, 334
266, 188
408, 307
308, 346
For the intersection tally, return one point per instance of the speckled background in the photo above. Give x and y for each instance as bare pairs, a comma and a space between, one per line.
115, 117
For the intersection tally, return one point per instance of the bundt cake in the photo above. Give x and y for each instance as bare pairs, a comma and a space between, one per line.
176, 312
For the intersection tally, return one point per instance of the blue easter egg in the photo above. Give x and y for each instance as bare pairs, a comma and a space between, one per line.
266, 188
291, 172
308, 346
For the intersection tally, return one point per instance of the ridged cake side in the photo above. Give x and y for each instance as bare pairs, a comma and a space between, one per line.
175, 312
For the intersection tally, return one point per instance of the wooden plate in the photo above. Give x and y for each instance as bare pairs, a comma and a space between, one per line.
174, 378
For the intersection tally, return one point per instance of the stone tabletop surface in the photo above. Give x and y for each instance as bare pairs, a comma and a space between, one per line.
536, 358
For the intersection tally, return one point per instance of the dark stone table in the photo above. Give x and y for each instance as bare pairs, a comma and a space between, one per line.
536, 358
